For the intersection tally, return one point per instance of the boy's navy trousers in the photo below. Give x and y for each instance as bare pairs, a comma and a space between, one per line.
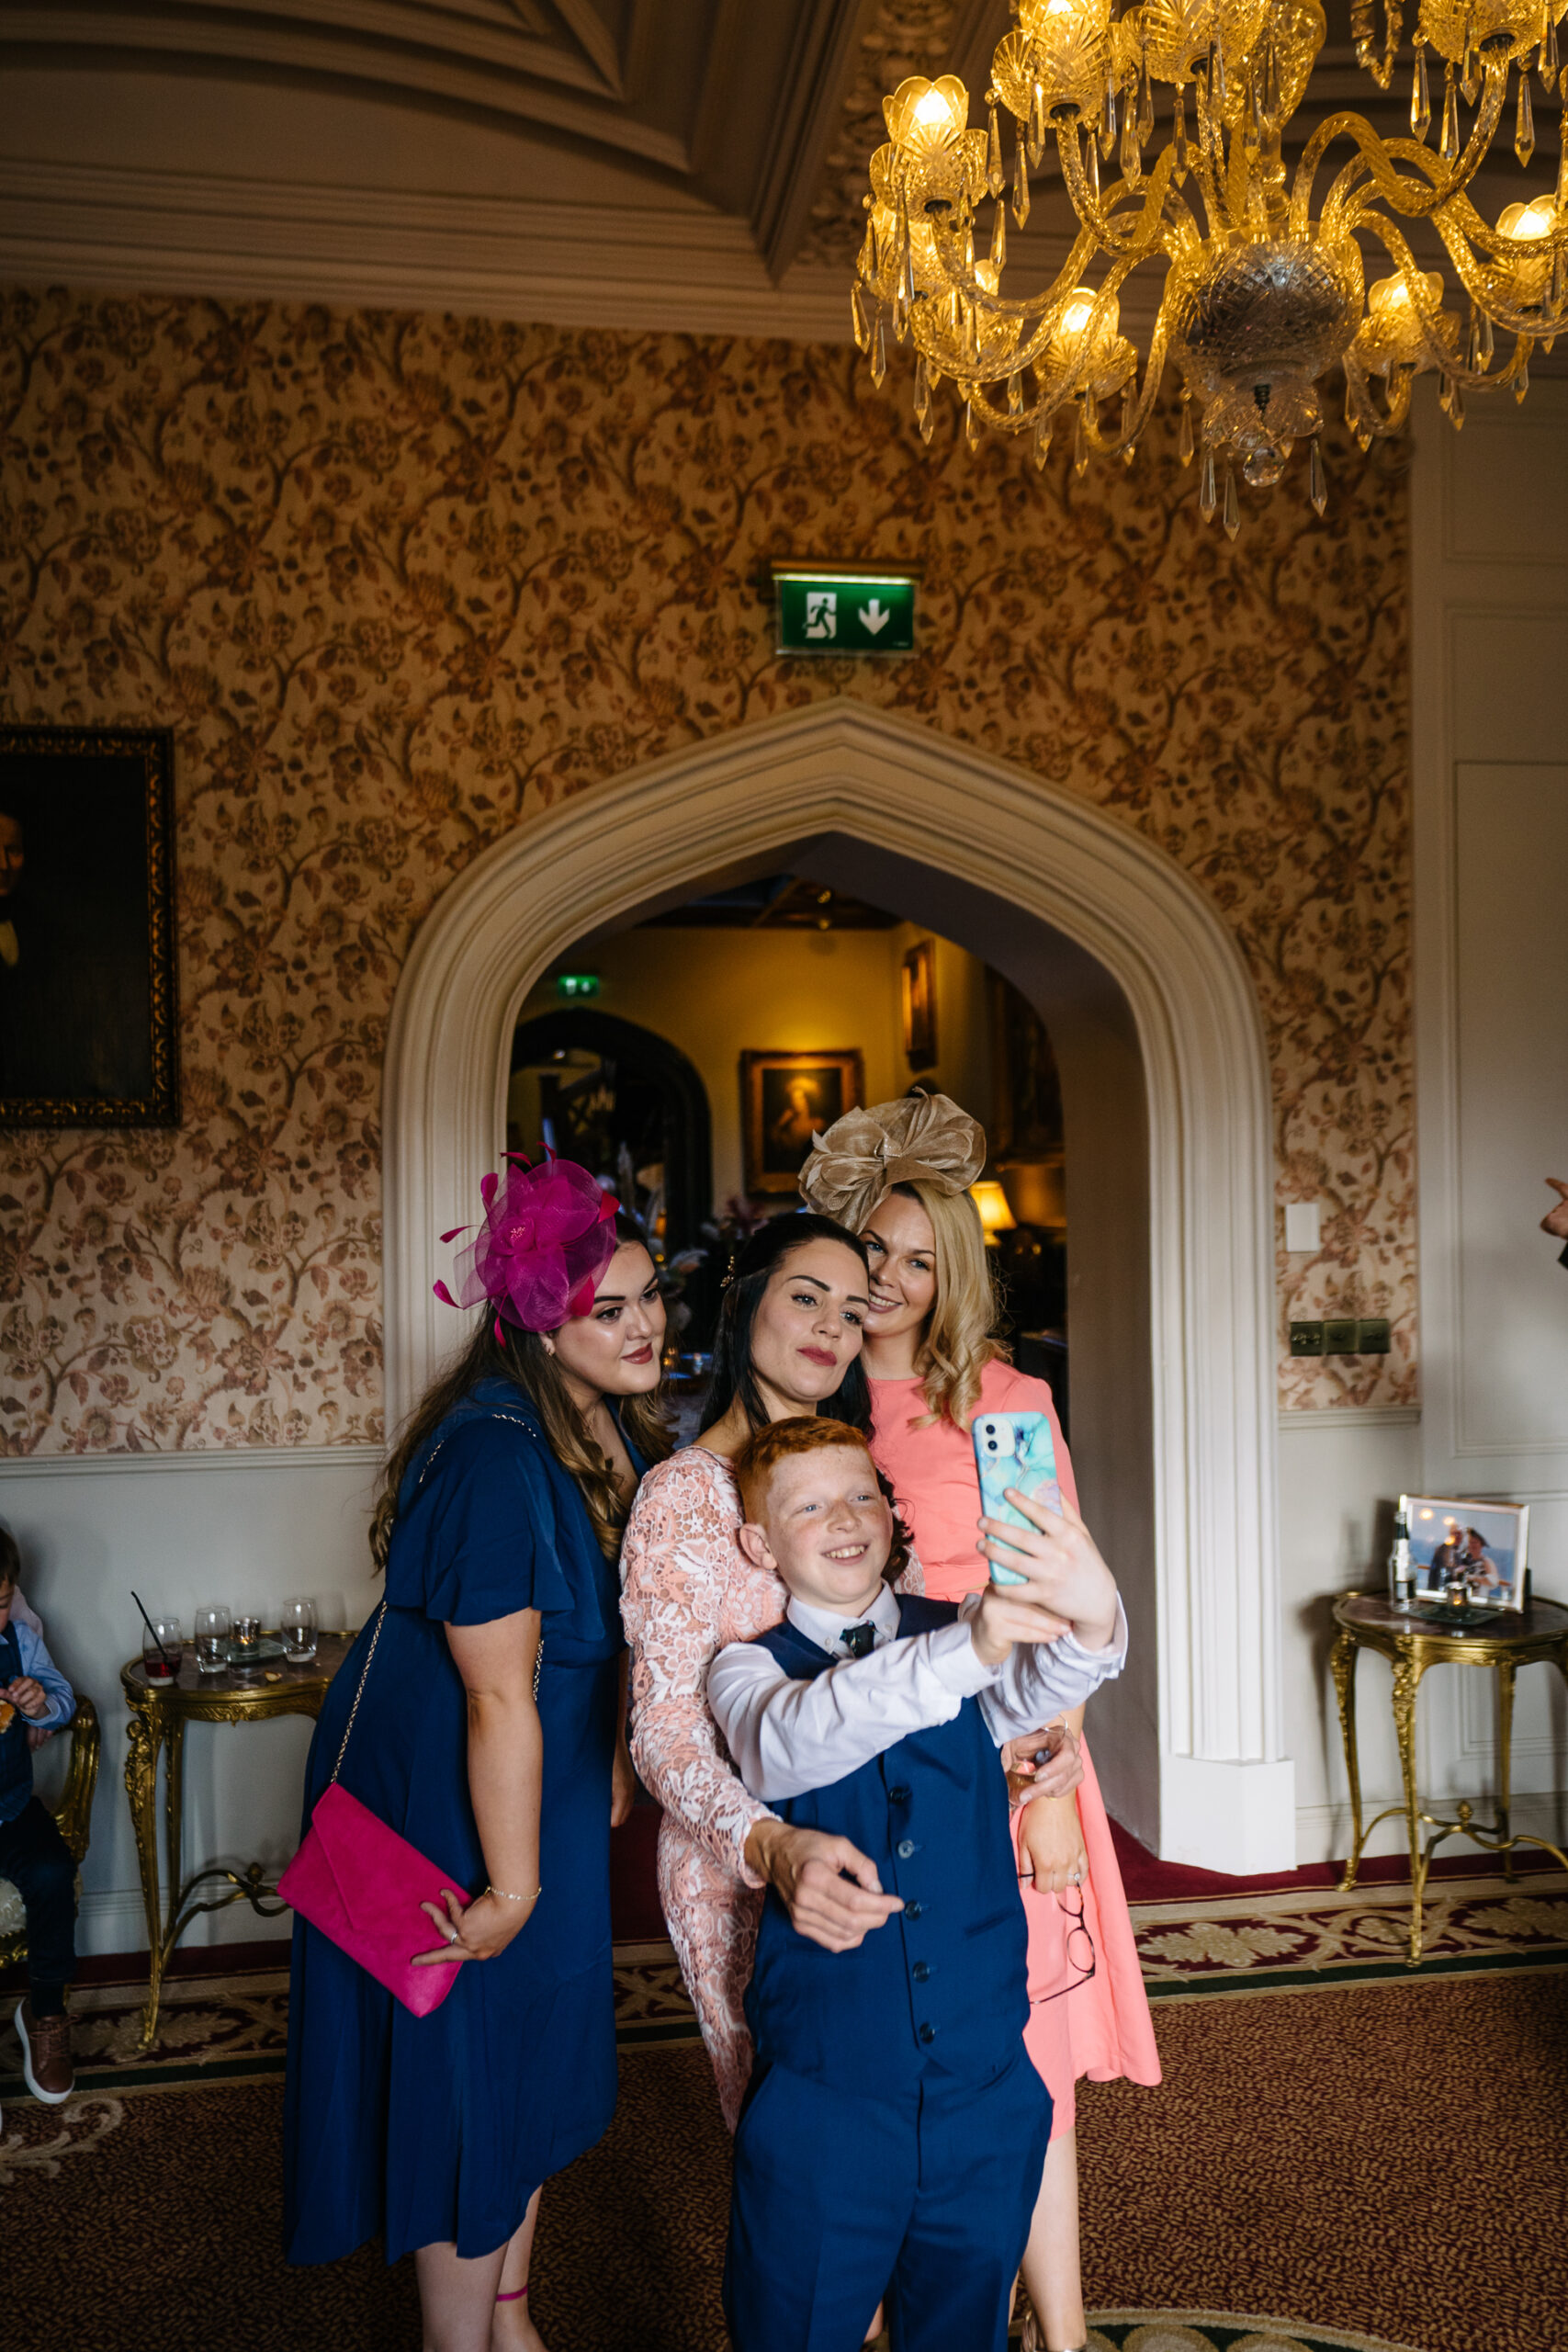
841, 2200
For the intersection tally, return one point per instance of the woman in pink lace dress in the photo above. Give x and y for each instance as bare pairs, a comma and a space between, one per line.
789, 1342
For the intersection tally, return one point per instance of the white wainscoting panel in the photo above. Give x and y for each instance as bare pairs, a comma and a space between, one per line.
188, 1529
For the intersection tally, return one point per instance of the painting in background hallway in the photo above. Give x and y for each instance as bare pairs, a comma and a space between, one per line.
395, 583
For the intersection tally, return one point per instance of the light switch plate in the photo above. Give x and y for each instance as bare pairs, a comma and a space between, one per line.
1306, 1339
1372, 1336
1340, 1333
1302, 1226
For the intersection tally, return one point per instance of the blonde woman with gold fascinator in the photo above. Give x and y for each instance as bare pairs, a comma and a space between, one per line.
899, 1175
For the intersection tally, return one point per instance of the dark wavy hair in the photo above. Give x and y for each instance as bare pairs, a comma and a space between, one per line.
523, 1357
734, 1374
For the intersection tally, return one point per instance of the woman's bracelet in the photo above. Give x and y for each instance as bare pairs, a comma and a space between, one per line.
515, 1898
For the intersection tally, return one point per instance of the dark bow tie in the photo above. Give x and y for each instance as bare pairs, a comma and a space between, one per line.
859, 1640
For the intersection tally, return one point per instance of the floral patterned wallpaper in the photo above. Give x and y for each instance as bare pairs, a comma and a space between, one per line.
397, 582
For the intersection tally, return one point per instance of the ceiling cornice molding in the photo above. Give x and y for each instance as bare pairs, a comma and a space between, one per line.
629, 267
490, 72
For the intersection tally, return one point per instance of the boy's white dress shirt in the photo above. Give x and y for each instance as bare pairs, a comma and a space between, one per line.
787, 1736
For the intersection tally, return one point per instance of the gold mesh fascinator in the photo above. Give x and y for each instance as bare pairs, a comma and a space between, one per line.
922, 1138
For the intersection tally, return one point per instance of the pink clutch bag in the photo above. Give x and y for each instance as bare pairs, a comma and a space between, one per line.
362, 1885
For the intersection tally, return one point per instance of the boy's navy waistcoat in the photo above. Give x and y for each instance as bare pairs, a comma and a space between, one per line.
946, 1978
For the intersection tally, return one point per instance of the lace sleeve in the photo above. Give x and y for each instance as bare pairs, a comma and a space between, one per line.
679, 1556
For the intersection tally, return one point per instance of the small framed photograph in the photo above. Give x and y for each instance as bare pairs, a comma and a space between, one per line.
89, 1034
785, 1099
919, 991
1473, 1553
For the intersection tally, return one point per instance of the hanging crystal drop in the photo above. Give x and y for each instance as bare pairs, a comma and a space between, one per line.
928, 425
1091, 158
1015, 393
922, 391
1129, 453
1129, 407
858, 319
1558, 272
1448, 147
900, 317
1019, 185
969, 245
906, 275
1470, 78
1317, 487
1473, 343
996, 177
1184, 443
1145, 104
1108, 119
1524, 122
1178, 139
1547, 63
1522, 382
1206, 487
1488, 340
1036, 127
1132, 161
1445, 395
1081, 438
1456, 409
971, 331
999, 237
971, 425
1041, 435
1232, 516
1217, 80
865, 266
1563, 166
878, 353
1420, 94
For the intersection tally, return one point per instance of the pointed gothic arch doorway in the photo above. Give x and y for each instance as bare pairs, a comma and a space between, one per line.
1166, 1086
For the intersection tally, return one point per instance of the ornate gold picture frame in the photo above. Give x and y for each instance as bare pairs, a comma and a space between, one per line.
89, 1016
785, 1099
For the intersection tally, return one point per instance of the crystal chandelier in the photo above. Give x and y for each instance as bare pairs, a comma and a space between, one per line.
1265, 288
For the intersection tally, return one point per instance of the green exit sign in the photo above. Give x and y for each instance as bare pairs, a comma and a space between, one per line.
845, 613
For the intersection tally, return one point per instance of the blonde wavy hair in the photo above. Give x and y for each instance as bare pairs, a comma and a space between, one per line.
959, 1335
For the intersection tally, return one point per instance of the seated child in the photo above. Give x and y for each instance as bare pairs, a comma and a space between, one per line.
895, 2128
33, 1854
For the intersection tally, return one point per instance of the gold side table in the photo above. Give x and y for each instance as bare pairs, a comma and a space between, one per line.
1413, 1640
158, 1714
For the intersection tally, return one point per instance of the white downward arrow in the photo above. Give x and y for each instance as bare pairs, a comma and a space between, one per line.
873, 616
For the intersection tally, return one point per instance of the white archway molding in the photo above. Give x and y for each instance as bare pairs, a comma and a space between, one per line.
1226, 1795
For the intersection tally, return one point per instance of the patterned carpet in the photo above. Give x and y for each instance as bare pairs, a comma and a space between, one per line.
1366, 2159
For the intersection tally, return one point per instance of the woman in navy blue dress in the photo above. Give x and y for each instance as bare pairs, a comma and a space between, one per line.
490, 1734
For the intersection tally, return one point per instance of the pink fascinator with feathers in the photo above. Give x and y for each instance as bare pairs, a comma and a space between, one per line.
548, 1234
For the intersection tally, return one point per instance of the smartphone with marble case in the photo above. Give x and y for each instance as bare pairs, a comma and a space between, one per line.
1014, 1450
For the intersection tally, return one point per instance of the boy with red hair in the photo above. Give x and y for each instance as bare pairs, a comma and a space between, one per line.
895, 2128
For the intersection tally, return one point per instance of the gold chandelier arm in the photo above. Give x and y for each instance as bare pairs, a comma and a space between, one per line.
1135, 239
1492, 241
1412, 202
961, 279
1491, 291
1130, 430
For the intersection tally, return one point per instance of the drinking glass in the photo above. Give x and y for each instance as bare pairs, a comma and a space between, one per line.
298, 1623
212, 1629
160, 1658
242, 1649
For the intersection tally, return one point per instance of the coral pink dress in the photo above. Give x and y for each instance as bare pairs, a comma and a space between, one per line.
688, 1589
1101, 2027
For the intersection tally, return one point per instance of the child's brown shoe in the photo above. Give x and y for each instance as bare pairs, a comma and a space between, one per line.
46, 2054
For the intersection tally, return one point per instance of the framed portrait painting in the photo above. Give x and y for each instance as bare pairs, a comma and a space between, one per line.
89, 1016
917, 1004
785, 1099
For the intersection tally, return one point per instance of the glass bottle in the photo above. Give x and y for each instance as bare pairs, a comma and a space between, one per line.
1400, 1576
